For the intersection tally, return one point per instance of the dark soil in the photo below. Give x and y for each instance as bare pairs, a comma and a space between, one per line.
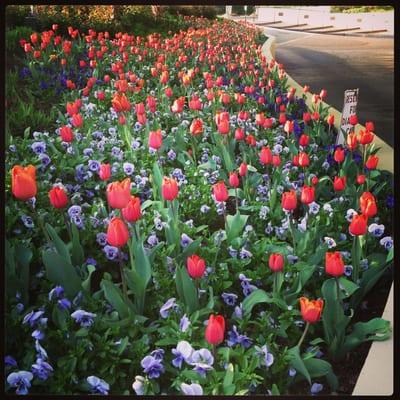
349, 369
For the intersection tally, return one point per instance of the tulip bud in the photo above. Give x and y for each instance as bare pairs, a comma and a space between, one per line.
368, 204
105, 172
358, 225
276, 262
330, 119
239, 134
311, 310
307, 194
215, 329
353, 119
314, 180
169, 188
351, 141
339, 183
276, 160
304, 160
339, 155
304, 140
132, 212
196, 266
155, 139
372, 162
360, 179
243, 169
289, 200
117, 232
196, 127
58, 197
220, 191
334, 264
233, 180
266, 156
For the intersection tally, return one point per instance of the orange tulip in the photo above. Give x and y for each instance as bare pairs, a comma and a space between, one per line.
58, 197
372, 162
365, 137
23, 182
196, 127
289, 200
358, 225
304, 160
311, 309
352, 141
119, 193
220, 191
334, 264
169, 188
132, 212
117, 232
368, 204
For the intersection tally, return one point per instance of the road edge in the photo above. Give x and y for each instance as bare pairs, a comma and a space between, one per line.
374, 378
386, 155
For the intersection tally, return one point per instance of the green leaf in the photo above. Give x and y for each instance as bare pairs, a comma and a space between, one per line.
114, 297
86, 282
142, 262
61, 272
158, 177
60, 246
377, 329
317, 367
77, 249
59, 317
303, 275
227, 383
187, 289
260, 296
275, 390
297, 362
235, 225
251, 168
122, 346
349, 286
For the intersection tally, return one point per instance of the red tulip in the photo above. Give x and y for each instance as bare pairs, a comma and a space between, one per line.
220, 191
306, 117
223, 127
339, 183
155, 139
323, 94
169, 188
372, 162
276, 262
368, 204
334, 264
239, 134
132, 212
289, 200
243, 169
215, 329
276, 160
196, 127
358, 225
266, 156
339, 155
66, 134
369, 126
23, 182
311, 310
105, 172
58, 197
233, 180
360, 179
251, 140
353, 119
119, 193
304, 140
365, 137
195, 266
117, 232
307, 194
77, 120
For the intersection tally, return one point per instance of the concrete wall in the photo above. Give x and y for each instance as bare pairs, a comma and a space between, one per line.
322, 17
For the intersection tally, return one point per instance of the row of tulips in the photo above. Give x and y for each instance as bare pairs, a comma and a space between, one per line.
189, 199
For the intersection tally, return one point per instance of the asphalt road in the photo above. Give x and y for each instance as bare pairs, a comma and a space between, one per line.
337, 63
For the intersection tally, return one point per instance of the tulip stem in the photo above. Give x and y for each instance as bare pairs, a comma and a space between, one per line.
68, 227
237, 201
355, 258
303, 335
292, 232
124, 288
214, 351
225, 216
338, 291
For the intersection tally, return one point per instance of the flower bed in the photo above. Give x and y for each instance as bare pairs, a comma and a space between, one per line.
190, 227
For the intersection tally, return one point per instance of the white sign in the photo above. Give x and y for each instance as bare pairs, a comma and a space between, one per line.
349, 108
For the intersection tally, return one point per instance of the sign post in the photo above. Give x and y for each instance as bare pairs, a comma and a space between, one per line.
349, 108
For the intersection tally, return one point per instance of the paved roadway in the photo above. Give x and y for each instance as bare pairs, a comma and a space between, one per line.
337, 63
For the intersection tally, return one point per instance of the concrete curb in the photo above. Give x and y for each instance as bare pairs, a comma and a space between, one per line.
386, 155
376, 376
